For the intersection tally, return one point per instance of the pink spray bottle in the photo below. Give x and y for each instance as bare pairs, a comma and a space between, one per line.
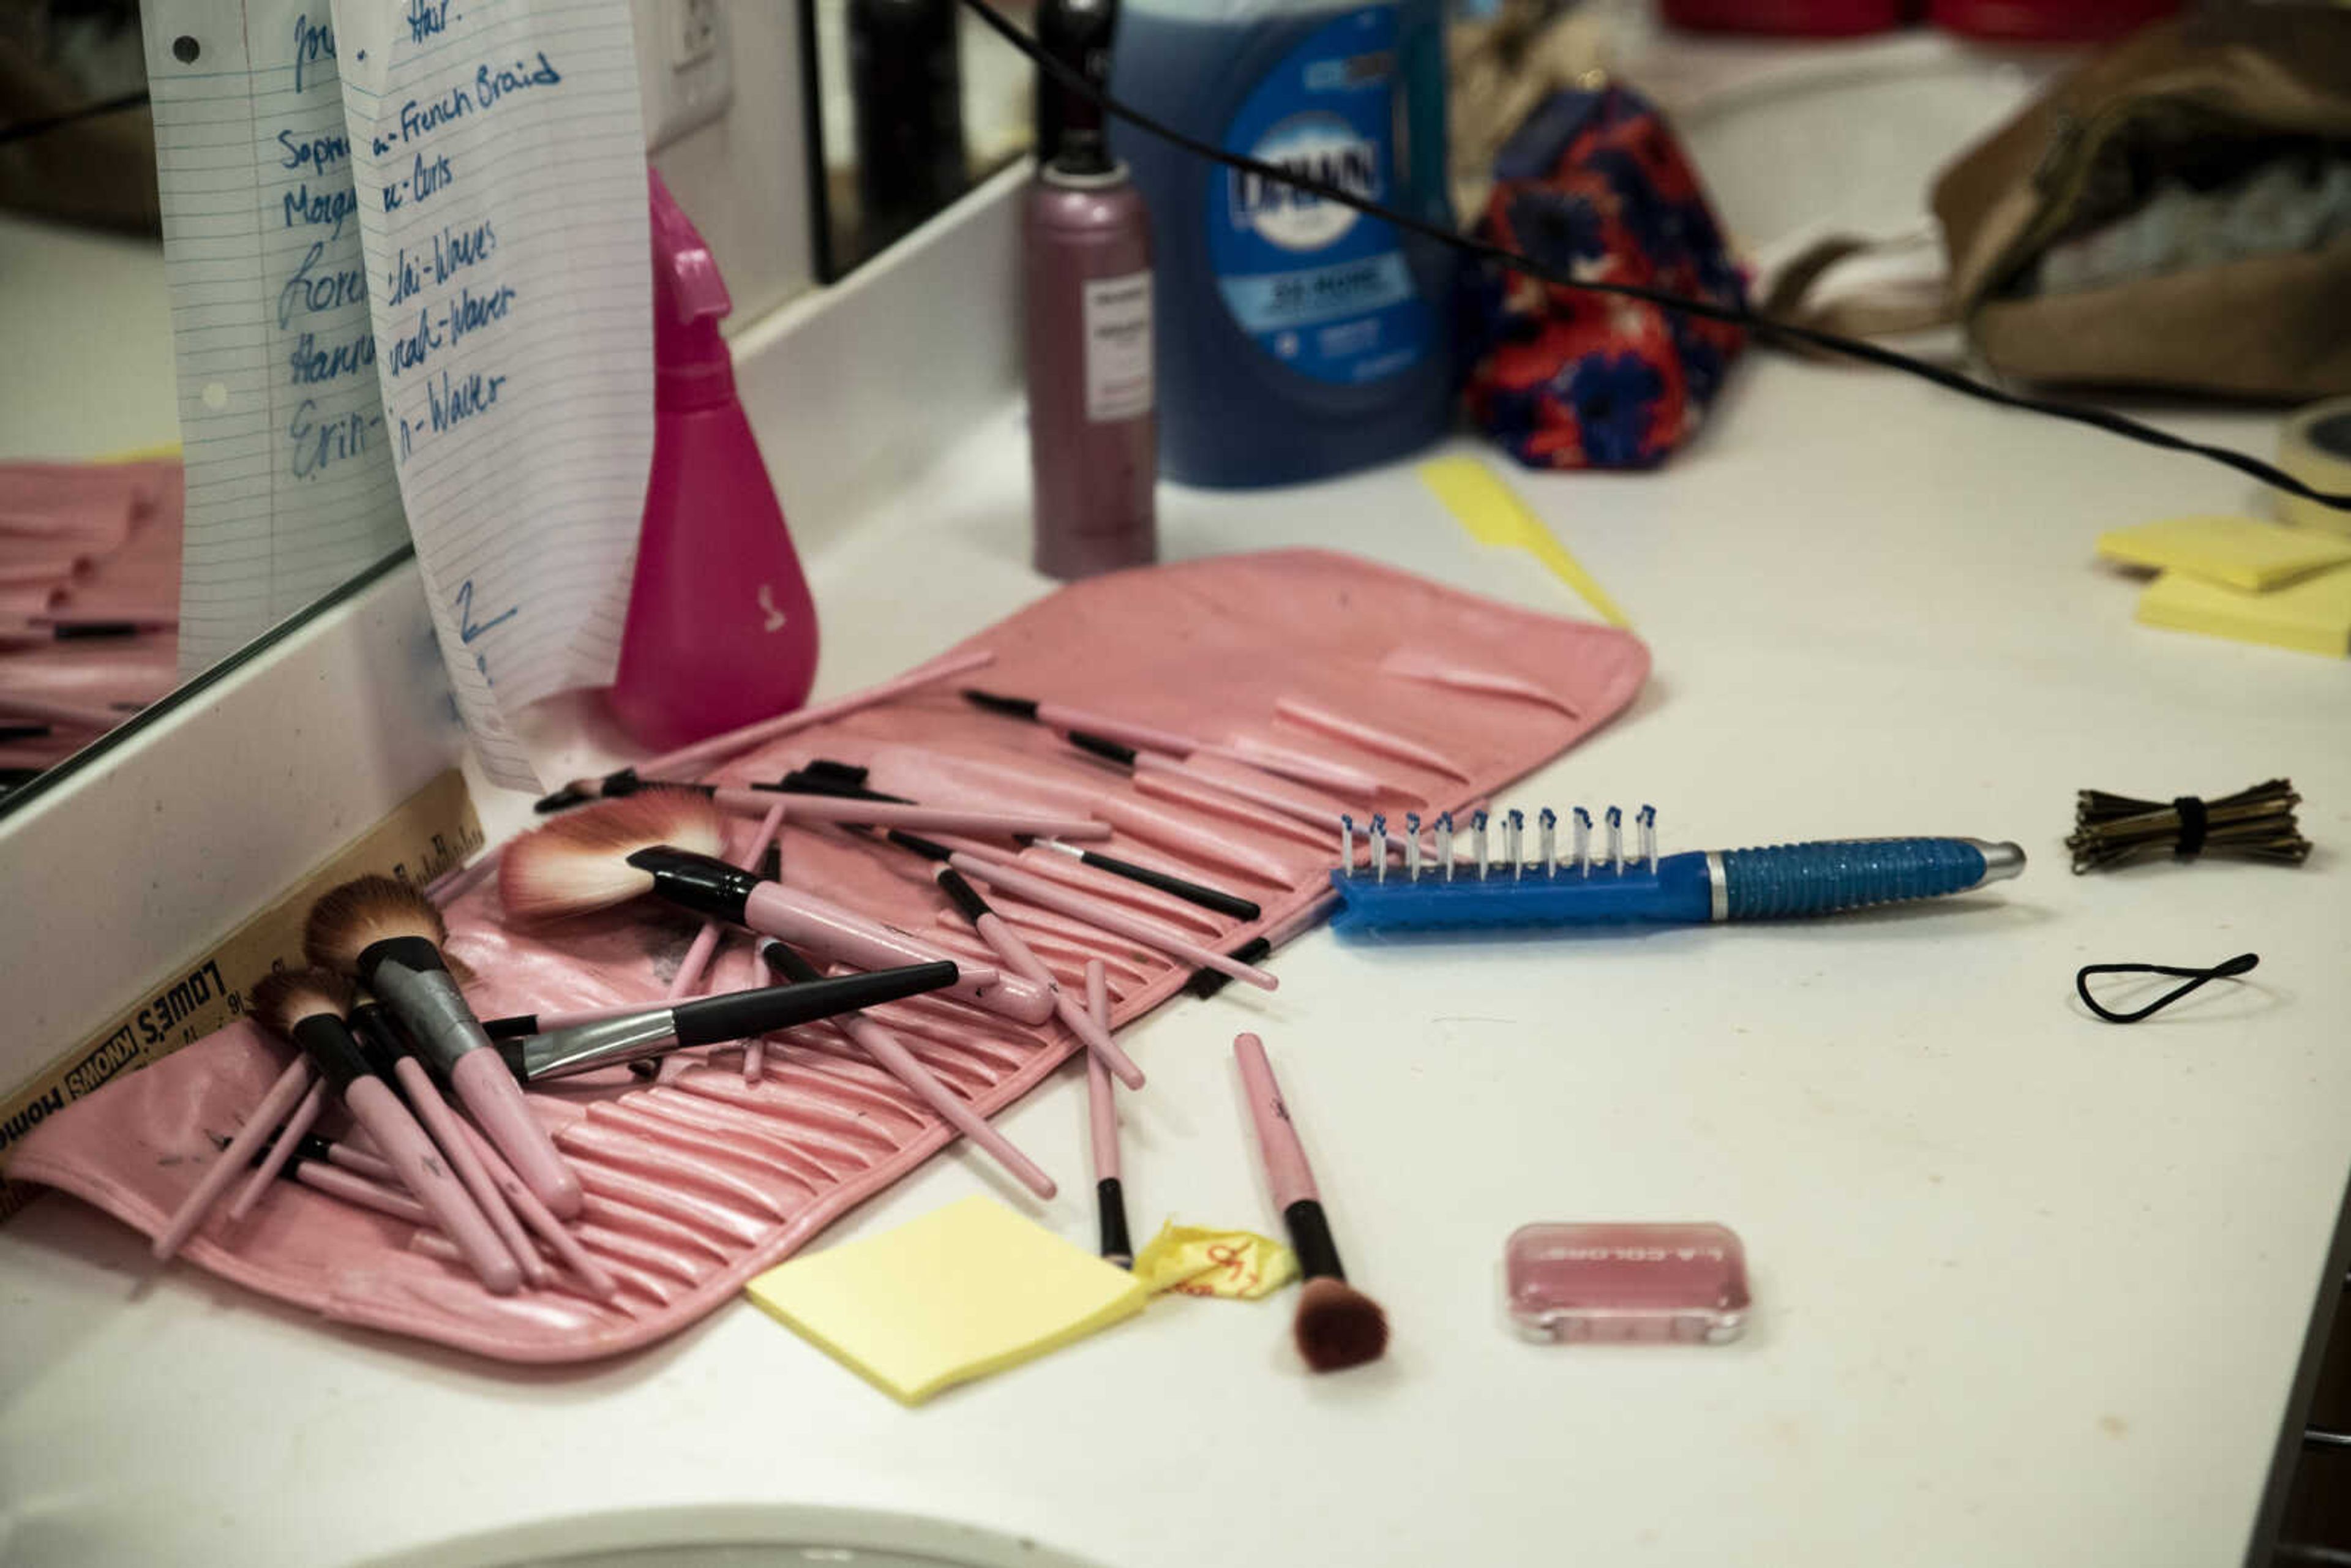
721, 629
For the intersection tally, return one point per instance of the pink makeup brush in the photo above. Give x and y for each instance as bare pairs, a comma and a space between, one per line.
323, 1167
1338, 1326
887, 1051
276, 1105
1015, 780
706, 941
1049, 895
306, 1007
1102, 1113
666, 842
870, 813
373, 1022
388, 935
1021, 959
702, 754
1356, 732
1350, 781
298, 1126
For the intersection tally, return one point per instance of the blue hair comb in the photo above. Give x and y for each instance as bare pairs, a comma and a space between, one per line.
1432, 889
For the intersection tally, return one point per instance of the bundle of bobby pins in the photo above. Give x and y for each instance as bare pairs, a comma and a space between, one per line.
379, 1021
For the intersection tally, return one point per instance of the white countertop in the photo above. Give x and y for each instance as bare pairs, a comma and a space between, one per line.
2030, 1288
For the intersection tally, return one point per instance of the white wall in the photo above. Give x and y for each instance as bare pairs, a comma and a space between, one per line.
743, 179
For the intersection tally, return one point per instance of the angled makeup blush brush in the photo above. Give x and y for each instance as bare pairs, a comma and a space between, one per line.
712, 1020
388, 935
306, 1007
666, 842
1338, 1326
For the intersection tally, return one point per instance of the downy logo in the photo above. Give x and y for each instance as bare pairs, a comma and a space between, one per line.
1320, 147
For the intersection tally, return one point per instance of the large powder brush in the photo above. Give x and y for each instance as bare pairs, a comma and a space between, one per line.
388, 935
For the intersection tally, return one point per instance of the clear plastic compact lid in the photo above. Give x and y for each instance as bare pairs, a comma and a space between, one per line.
1650, 1283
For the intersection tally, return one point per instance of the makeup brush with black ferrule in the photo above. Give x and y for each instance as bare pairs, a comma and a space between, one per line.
388, 935
1338, 1326
306, 1007
711, 1020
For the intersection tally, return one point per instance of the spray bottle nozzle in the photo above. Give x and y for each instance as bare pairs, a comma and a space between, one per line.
690, 298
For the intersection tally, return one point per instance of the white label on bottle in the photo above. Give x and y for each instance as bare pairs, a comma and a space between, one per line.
1118, 347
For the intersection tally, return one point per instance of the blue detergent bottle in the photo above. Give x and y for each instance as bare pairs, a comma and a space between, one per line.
1298, 338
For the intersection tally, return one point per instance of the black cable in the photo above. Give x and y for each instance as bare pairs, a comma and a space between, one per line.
1763, 326
24, 129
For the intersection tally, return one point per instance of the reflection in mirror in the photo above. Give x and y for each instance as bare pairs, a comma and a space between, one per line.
916, 103
137, 313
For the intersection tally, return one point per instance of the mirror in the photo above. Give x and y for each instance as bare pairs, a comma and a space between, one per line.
95, 630
915, 102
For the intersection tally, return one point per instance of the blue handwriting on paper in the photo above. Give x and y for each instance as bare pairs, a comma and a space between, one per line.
303, 205
313, 42
313, 289
320, 152
310, 364
454, 250
427, 18
466, 630
319, 445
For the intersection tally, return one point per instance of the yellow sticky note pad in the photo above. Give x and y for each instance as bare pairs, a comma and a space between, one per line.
2312, 615
961, 1292
2242, 552
1239, 1265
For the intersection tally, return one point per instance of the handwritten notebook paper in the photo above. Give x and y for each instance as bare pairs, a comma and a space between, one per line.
963, 1292
499, 164
289, 481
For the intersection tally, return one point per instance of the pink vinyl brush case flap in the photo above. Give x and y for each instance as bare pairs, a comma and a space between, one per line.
700, 1180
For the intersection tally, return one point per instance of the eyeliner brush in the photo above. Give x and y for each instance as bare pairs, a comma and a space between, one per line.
1101, 1109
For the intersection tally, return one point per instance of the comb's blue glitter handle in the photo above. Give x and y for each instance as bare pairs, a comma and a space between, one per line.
1754, 885
1819, 879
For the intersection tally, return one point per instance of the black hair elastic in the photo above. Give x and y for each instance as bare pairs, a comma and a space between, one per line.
2242, 964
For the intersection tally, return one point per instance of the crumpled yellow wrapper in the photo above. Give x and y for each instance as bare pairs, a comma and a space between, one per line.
1192, 1260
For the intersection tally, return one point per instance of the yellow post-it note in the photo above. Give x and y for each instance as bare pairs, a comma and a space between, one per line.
961, 1292
1494, 513
1239, 1265
2243, 552
2312, 615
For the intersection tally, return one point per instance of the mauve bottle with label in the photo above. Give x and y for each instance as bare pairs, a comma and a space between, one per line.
1094, 454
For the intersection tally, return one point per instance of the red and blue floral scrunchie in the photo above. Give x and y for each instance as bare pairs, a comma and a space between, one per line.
1595, 185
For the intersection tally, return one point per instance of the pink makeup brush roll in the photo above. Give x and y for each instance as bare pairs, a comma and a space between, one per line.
697, 1183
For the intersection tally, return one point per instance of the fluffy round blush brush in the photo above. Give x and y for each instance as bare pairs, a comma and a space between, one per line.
388, 935
1338, 1326
667, 842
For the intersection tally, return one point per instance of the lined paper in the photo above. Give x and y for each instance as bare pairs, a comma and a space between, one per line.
289, 480
499, 166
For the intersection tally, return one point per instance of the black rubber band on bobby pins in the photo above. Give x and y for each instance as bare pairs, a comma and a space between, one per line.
2193, 822
2242, 964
